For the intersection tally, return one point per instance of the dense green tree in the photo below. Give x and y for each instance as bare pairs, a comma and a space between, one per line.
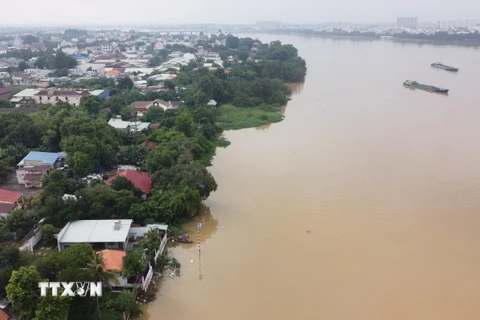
23, 65
169, 85
133, 155
132, 263
125, 83
4, 171
91, 104
19, 221
232, 42
80, 163
52, 308
243, 55
10, 260
151, 242
193, 175
116, 103
48, 232
18, 128
63, 61
153, 114
22, 290
184, 123
5, 104
95, 138
124, 301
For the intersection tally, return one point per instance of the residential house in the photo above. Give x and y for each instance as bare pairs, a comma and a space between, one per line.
9, 201
36, 165
142, 106
134, 126
112, 74
37, 158
141, 180
95, 68
119, 124
149, 145
102, 93
101, 234
113, 262
32, 176
24, 95
52, 96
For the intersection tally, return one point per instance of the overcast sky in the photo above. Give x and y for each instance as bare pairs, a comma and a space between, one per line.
105, 12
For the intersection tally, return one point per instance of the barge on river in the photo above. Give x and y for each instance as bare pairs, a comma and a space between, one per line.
416, 85
444, 67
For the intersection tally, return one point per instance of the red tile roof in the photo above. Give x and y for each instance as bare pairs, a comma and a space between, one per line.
33, 176
140, 180
4, 315
6, 208
113, 259
7, 92
113, 73
9, 196
149, 144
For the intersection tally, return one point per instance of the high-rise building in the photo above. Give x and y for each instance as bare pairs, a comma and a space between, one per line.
407, 22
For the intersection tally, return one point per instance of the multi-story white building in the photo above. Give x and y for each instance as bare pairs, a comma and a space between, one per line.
407, 22
52, 96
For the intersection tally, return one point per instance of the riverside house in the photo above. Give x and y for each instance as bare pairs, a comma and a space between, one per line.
111, 238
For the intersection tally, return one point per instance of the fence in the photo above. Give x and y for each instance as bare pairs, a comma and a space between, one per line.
147, 279
32, 238
161, 248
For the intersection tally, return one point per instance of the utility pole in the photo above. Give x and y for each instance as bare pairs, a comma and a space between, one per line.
199, 225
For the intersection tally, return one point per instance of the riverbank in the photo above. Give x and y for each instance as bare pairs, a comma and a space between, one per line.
382, 37
234, 118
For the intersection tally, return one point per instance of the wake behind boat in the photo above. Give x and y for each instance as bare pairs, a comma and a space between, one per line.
444, 67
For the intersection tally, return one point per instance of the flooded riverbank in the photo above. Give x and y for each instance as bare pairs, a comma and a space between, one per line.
362, 204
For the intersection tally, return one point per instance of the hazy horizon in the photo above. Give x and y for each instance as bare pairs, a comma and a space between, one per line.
150, 12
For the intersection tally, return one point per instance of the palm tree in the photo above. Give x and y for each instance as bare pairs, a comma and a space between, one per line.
99, 274
5, 223
151, 242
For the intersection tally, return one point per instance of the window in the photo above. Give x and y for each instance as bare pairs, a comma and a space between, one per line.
47, 98
40, 98
66, 98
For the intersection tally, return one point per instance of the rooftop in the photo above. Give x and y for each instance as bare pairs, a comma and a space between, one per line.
94, 231
26, 93
113, 259
6, 208
118, 123
140, 180
45, 157
9, 196
4, 315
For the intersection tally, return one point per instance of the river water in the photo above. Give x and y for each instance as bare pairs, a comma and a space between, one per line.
364, 203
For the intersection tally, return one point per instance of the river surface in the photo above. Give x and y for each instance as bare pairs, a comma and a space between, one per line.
364, 203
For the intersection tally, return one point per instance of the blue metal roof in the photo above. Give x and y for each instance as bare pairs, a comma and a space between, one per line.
45, 157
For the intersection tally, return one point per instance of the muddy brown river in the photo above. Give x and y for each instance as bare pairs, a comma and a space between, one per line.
364, 203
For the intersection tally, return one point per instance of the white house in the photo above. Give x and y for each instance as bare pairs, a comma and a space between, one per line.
141, 107
101, 234
134, 126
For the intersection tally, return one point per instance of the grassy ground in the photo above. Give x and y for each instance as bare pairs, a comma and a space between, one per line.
234, 118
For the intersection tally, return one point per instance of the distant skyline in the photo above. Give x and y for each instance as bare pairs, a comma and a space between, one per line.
152, 12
